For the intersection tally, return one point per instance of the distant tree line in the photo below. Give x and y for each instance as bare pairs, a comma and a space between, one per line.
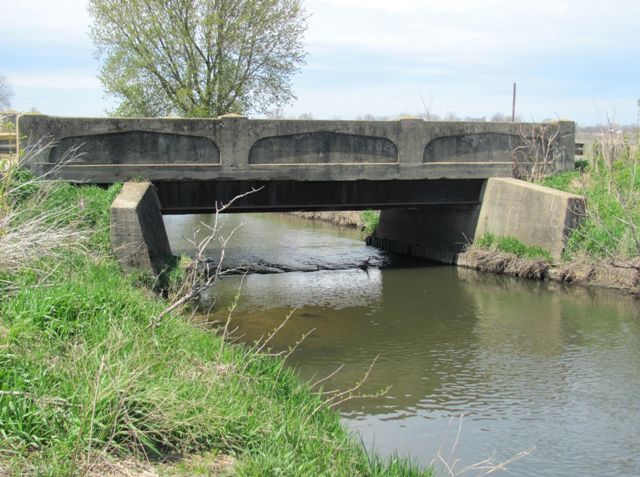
278, 113
6, 93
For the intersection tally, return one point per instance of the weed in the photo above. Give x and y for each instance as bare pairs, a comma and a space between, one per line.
370, 219
611, 186
513, 246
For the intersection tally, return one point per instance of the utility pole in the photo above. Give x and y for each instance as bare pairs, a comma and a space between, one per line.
513, 106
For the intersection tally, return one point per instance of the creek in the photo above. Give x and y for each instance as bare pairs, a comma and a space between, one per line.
477, 365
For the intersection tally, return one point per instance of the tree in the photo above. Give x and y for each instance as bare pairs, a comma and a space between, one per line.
198, 58
6, 93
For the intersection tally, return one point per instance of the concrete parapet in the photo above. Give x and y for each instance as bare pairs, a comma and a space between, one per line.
138, 236
535, 215
241, 149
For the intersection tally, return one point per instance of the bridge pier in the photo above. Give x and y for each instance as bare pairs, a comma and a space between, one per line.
535, 215
434, 232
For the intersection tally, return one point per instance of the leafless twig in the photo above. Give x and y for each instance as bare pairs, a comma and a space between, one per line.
534, 157
485, 467
201, 276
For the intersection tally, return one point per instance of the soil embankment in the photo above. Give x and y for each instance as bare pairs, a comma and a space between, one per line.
349, 218
619, 275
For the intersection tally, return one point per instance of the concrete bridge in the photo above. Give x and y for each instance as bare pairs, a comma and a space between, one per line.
439, 170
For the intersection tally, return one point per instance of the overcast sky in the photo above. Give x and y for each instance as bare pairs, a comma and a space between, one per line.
572, 59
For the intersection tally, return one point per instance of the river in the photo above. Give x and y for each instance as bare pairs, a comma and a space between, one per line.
477, 365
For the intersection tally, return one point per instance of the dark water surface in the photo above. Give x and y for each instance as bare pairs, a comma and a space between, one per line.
526, 364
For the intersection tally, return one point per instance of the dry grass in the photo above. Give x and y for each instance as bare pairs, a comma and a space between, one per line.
29, 235
207, 464
23, 242
502, 263
448, 464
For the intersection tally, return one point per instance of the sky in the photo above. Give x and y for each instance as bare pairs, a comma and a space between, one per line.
571, 59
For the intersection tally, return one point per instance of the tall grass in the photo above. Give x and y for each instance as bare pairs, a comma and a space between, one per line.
84, 377
611, 184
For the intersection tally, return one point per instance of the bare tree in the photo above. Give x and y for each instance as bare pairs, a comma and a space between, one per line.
203, 273
6, 93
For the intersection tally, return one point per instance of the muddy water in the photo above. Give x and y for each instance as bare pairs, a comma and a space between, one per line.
528, 365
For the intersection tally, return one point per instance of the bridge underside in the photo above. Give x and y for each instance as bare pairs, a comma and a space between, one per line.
281, 196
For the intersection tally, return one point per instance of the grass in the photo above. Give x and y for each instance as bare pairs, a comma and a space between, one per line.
611, 228
513, 246
610, 182
370, 219
83, 376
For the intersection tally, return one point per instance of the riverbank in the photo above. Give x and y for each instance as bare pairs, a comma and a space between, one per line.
89, 387
603, 251
365, 220
621, 276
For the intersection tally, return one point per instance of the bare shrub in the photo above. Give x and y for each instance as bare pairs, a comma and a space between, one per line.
6, 93
203, 273
534, 157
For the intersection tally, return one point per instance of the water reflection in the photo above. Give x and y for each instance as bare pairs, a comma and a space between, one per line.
527, 363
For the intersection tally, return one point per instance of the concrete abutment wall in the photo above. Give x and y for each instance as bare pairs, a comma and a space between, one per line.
535, 215
138, 236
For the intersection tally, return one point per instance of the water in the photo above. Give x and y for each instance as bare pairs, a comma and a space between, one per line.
527, 364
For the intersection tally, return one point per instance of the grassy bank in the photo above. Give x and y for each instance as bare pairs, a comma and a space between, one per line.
87, 387
511, 245
604, 250
611, 228
365, 220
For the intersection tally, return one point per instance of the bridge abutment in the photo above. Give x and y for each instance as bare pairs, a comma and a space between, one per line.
138, 236
535, 215
435, 232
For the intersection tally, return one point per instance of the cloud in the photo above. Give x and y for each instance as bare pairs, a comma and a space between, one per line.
468, 28
45, 24
380, 56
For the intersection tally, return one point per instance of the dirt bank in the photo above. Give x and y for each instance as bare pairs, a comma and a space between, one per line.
350, 218
618, 275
